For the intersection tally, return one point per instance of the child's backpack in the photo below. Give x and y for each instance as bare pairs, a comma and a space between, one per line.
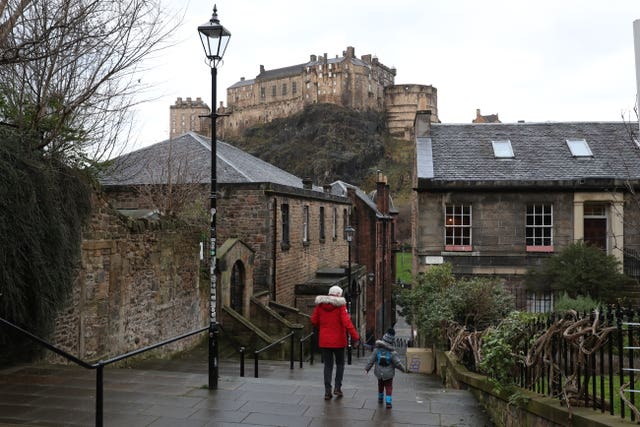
383, 358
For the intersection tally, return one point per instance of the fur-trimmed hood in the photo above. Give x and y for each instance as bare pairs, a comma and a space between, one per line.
385, 345
330, 299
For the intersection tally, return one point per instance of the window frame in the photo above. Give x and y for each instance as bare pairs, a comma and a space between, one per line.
305, 225
285, 214
321, 226
462, 241
538, 242
579, 147
502, 149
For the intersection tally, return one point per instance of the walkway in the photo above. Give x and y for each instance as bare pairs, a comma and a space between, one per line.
165, 393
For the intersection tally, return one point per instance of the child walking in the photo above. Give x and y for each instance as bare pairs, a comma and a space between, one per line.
386, 361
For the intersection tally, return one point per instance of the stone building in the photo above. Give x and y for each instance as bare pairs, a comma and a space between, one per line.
359, 83
374, 218
293, 227
497, 199
489, 118
187, 116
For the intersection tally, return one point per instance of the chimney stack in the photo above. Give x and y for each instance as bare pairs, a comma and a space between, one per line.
307, 184
422, 123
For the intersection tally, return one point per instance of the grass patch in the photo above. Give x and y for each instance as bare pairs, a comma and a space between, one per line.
403, 267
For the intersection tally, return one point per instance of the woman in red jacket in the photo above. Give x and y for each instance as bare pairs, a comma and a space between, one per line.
332, 320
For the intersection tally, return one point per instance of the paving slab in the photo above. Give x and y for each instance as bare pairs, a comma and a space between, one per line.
174, 393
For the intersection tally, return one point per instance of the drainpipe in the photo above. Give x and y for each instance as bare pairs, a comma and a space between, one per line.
274, 248
636, 43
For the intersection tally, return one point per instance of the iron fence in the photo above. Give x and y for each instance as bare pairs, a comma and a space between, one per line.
596, 369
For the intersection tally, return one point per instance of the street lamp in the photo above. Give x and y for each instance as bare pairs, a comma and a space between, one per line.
214, 38
349, 232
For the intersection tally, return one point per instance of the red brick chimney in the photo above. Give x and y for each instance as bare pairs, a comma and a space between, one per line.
382, 193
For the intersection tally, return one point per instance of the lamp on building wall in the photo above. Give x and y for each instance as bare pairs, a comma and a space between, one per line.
214, 38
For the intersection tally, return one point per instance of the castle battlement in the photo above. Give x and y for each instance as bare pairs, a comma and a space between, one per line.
362, 83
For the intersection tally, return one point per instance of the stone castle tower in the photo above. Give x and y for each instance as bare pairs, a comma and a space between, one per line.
359, 83
185, 116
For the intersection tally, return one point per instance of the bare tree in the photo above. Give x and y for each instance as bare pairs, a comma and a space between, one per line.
70, 70
176, 187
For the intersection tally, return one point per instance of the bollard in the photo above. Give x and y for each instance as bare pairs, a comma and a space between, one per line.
242, 361
349, 354
291, 356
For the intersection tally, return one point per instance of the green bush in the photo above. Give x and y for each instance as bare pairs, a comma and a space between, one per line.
437, 298
580, 269
581, 304
503, 347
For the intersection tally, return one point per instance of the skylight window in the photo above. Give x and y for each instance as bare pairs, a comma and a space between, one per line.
579, 148
502, 149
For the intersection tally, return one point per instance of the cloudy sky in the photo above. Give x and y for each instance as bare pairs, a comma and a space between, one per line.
542, 60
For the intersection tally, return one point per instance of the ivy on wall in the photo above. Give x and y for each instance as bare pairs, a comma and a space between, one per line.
43, 204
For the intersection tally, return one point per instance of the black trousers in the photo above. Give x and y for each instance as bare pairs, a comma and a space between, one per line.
328, 355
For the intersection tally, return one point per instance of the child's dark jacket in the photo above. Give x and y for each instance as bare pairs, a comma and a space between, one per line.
384, 372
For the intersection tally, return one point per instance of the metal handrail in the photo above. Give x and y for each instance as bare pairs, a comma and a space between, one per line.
98, 366
302, 341
257, 352
239, 348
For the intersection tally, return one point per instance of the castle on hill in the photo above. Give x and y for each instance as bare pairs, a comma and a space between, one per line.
359, 83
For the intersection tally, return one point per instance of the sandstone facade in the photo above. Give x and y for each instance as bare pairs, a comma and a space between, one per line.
186, 115
359, 83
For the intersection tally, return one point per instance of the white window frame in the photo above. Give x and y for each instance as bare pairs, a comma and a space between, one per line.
502, 149
535, 221
579, 147
454, 231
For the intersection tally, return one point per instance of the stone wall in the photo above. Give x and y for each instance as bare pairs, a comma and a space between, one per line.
138, 284
498, 230
530, 410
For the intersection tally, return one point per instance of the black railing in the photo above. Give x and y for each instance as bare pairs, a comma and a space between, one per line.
631, 262
309, 338
240, 349
98, 366
273, 344
595, 367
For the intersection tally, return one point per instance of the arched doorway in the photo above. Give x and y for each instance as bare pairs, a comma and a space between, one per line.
237, 287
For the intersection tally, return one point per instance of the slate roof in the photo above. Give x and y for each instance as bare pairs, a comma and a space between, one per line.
339, 188
190, 156
293, 70
463, 153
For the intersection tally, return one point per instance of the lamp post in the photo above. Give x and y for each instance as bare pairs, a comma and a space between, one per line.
214, 38
349, 232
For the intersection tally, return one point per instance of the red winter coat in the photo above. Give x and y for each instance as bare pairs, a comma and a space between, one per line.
331, 318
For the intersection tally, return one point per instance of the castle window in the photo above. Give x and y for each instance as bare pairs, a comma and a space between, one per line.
284, 89
334, 231
273, 90
294, 88
263, 95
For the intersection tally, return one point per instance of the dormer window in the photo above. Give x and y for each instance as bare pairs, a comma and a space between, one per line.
502, 149
579, 148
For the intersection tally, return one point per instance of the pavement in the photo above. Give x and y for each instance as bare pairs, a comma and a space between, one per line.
161, 393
